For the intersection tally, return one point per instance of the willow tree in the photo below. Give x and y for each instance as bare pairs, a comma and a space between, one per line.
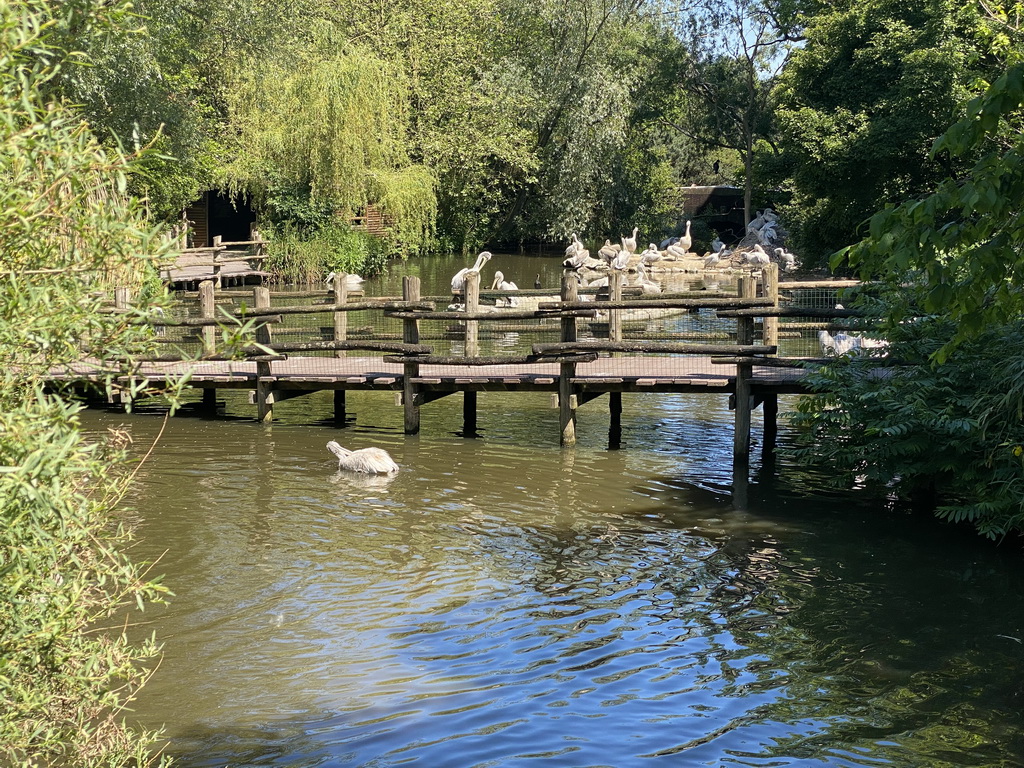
336, 124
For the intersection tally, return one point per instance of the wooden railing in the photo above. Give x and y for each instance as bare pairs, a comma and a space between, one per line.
746, 307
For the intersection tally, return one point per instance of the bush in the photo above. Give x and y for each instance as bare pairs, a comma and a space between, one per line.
67, 231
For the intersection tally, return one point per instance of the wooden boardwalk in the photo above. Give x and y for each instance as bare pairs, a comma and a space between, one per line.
738, 357
613, 374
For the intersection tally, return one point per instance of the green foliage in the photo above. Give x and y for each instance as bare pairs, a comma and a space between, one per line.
860, 104
307, 257
336, 124
964, 239
67, 229
946, 436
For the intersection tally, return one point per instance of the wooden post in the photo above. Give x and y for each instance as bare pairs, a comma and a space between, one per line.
469, 413
615, 315
472, 305
744, 335
339, 408
770, 408
340, 318
122, 297
209, 399
410, 335
264, 385
207, 311
217, 240
770, 287
615, 423
567, 371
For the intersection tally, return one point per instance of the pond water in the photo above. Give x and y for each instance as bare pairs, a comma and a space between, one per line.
505, 602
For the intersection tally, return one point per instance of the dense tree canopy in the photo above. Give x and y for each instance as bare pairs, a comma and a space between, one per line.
873, 85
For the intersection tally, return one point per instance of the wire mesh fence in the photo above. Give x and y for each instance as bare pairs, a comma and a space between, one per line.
511, 324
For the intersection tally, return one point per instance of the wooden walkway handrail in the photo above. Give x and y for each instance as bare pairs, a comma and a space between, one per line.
583, 357
368, 345
791, 312
654, 347
498, 314
724, 303
352, 306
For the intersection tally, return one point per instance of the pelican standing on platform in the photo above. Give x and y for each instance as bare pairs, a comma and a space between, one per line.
629, 243
459, 281
686, 240
371, 461
501, 284
651, 255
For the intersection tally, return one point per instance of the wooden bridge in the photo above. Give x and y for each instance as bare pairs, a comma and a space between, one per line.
588, 345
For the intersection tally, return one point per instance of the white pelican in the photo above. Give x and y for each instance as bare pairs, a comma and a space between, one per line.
686, 241
372, 461
621, 260
608, 251
786, 259
459, 281
649, 286
501, 284
844, 343
574, 246
676, 251
711, 259
576, 260
757, 256
651, 255
352, 282
629, 243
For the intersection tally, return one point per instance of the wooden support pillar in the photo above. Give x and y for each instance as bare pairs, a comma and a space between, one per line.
207, 311
339, 408
264, 384
770, 289
741, 433
340, 318
472, 288
410, 335
770, 408
217, 240
210, 400
469, 413
615, 421
567, 371
615, 315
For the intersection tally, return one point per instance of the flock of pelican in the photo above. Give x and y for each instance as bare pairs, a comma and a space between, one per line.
614, 256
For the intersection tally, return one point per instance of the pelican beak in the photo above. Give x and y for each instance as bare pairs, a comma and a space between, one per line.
494, 283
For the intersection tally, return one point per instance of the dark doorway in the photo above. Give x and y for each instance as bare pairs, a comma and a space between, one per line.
232, 219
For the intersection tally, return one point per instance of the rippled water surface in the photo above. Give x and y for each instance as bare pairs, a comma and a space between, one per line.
504, 602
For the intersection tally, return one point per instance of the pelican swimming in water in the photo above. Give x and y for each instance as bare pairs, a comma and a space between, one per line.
372, 461
352, 282
459, 281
